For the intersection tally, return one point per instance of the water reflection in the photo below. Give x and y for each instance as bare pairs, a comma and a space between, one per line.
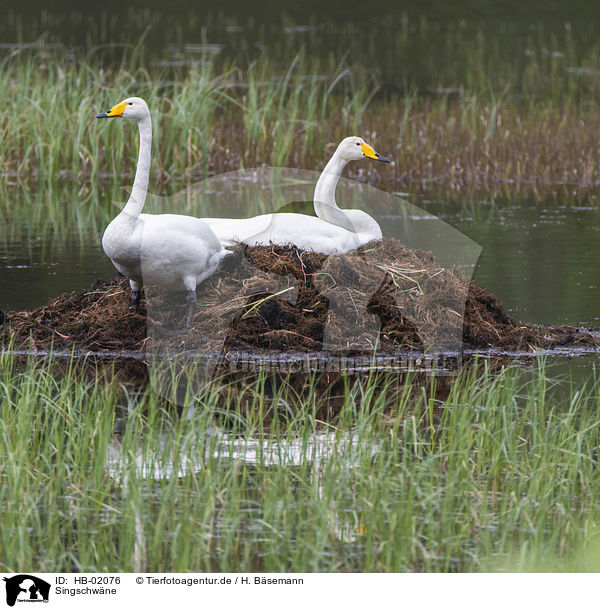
317, 451
538, 258
166, 462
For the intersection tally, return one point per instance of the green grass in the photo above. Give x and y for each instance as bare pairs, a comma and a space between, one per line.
49, 128
521, 123
497, 475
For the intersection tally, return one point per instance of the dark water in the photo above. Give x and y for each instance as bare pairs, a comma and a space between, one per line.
520, 49
540, 258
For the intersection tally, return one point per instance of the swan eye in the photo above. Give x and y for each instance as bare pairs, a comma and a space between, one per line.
358, 143
131, 103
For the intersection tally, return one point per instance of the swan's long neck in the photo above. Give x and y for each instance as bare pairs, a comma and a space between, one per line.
142, 173
353, 220
324, 198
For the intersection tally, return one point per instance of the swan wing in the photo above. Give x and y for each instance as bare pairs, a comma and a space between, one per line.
301, 230
176, 224
177, 251
306, 232
230, 231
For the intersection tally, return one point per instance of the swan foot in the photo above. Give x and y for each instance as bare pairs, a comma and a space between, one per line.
136, 296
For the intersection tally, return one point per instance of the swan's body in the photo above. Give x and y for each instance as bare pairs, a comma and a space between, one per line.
168, 250
333, 231
305, 232
172, 251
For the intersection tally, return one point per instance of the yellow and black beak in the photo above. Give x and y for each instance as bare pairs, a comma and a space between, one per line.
371, 154
114, 111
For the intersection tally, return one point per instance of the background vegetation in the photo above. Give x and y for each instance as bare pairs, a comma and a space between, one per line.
459, 106
489, 109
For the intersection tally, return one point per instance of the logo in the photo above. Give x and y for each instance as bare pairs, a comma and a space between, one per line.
350, 303
26, 589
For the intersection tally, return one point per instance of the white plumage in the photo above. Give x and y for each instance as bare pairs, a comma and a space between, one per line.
168, 250
333, 231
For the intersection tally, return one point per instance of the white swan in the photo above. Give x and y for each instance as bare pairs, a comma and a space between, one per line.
169, 250
333, 231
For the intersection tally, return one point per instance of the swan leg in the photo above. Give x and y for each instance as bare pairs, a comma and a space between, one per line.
191, 300
135, 300
136, 295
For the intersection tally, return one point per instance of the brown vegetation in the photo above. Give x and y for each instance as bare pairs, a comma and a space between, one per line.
281, 299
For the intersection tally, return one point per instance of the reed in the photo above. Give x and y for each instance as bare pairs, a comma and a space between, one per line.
215, 114
49, 130
496, 473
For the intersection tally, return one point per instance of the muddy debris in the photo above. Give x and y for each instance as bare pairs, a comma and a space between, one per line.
382, 297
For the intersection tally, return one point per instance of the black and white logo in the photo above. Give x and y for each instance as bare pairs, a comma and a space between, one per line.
26, 589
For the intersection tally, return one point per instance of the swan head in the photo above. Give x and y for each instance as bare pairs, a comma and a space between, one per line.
354, 148
133, 108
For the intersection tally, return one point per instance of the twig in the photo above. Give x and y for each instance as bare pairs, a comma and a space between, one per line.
262, 300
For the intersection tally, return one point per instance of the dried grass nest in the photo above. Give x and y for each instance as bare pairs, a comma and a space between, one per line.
382, 296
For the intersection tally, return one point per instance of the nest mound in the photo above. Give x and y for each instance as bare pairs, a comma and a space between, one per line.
382, 296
